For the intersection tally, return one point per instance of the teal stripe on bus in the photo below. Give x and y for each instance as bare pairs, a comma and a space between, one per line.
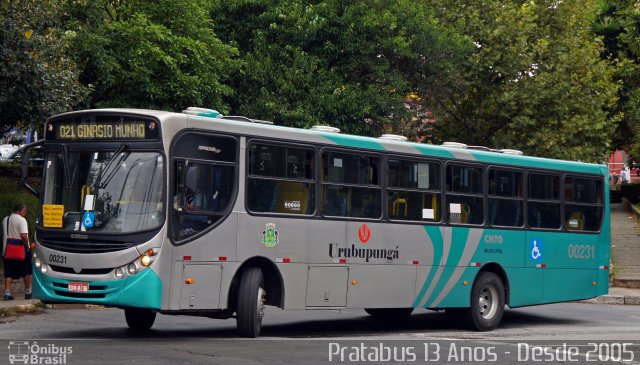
434, 151
352, 141
458, 237
436, 239
536, 162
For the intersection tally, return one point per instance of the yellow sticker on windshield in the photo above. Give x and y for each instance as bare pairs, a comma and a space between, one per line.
52, 215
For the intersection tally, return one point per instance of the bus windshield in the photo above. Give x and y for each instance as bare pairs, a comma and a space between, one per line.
105, 191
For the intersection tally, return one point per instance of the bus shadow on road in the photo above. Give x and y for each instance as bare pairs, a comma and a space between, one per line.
353, 326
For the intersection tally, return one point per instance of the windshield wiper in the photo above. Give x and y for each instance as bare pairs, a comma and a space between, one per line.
67, 173
99, 184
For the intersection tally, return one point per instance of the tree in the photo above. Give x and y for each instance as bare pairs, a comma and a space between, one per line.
618, 22
161, 54
37, 79
348, 64
534, 80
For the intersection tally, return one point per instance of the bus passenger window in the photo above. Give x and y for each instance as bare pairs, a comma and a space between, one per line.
505, 198
543, 201
280, 179
414, 190
583, 203
465, 201
351, 185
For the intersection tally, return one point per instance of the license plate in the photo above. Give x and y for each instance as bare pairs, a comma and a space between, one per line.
79, 287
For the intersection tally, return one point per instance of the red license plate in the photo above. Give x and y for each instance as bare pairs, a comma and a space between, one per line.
79, 287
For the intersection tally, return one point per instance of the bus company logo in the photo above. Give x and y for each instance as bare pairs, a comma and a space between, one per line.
25, 352
364, 233
270, 235
367, 254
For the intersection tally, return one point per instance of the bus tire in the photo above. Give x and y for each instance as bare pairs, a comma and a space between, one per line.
139, 319
389, 313
487, 302
251, 299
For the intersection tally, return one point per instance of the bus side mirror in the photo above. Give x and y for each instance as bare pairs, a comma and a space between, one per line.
26, 162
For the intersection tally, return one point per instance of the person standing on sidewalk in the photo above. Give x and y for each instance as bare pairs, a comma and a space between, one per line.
15, 227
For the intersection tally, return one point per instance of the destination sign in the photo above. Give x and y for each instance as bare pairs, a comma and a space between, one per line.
102, 128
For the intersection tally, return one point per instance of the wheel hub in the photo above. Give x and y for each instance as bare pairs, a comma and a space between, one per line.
262, 294
486, 302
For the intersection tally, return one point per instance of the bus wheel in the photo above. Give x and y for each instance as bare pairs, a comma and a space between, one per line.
389, 313
251, 298
139, 319
487, 302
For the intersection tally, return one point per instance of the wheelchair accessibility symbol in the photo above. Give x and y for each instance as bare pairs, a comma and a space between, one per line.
88, 218
536, 246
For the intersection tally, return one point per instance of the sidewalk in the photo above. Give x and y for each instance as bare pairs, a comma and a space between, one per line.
625, 246
19, 305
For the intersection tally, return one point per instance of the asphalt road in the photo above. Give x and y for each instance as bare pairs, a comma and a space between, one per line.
557, 333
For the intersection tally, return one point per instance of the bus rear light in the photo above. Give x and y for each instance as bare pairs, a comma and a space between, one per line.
284, 260
186, 258
606, 267
415, 262
342, 261
541, 266
222, 258
476, 264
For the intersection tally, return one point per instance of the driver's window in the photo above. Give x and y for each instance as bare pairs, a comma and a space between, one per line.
203, 183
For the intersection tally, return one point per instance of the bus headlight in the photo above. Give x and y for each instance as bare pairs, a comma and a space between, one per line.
132, 268
145, 260
37, 262
44, 268
119, 273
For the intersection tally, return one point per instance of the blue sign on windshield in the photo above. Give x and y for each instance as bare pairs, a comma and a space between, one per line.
88, 218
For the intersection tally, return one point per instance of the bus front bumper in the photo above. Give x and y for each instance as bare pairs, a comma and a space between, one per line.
142, 290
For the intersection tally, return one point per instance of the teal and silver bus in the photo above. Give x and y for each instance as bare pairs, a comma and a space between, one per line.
201, 214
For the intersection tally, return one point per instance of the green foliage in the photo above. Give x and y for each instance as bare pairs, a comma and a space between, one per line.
348, 64
12, 193
618, 22
37, 79
159, 55
534, 81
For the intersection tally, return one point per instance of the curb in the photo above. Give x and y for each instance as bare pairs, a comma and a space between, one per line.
613, 300
32, 306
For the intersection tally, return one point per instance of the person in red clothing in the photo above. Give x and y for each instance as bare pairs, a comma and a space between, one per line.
15, 227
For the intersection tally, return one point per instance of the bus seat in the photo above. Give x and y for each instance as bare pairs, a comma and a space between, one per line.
396, 207
433, 205
292, 192
465, 214
575, 221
